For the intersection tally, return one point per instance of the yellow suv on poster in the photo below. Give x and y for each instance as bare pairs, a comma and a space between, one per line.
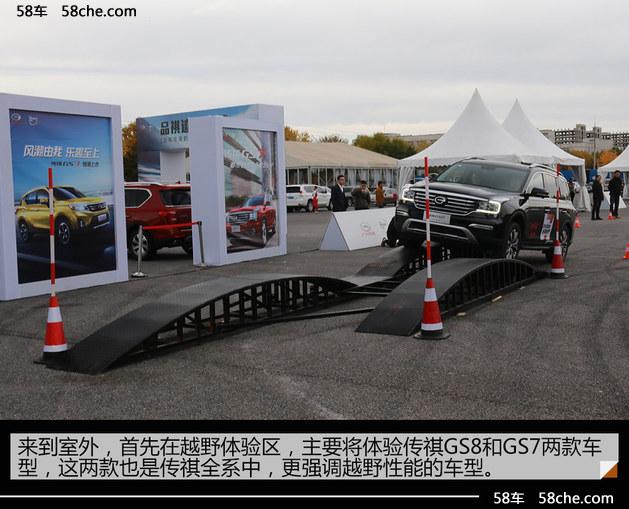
75, 213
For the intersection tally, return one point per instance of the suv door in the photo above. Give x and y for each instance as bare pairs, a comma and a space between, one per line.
550, 184
535, 208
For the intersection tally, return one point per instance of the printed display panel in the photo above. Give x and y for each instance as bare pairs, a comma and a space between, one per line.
78, 148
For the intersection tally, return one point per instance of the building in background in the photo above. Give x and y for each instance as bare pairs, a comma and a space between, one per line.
418, 141
594, 140
321, 163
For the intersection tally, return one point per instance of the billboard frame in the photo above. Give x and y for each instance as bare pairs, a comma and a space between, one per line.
9, 285
207, 184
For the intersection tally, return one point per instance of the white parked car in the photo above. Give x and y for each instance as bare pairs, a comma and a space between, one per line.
302, 197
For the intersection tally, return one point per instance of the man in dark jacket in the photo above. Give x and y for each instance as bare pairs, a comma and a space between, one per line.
339, 200
615, 187
362, 197
597, 198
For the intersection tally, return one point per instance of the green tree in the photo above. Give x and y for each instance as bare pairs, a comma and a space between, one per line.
392, 147
291, 134
332, 138
130, 152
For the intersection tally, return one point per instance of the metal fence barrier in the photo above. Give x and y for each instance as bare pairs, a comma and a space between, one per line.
199, 224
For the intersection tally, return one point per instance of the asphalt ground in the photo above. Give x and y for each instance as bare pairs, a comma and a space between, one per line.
554, 350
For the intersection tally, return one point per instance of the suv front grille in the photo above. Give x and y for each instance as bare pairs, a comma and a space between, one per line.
454, 204
239, 217
96, 207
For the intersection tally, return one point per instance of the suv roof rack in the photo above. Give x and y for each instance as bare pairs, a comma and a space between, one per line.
539, 165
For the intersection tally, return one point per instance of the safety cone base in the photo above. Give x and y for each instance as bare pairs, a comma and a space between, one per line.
432, 335
555, 275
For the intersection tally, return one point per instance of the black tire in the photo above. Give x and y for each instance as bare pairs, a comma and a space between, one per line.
330, 205
264, 234
24, 232
63, 231
148, 250
309, 206
187, 245
511, 243
392, 236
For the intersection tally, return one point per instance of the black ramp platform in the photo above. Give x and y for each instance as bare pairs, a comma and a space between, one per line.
204, 309
460, 283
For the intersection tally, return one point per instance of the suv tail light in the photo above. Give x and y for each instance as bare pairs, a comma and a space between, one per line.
169, 216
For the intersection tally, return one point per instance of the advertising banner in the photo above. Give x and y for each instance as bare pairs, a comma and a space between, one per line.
357, 229
78, 149
251, 205
238, 188
81, 143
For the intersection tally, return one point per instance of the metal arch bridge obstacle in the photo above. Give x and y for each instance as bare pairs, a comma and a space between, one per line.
223, 304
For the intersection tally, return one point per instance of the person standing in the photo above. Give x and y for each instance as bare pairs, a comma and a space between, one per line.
380, 195
339, 200
362, 197
615, 187
571, 189
597, 198
315, 200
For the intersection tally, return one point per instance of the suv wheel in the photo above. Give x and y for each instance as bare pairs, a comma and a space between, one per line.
23, 231
63, 231
309, 206
511, 243
564, 237
147, 245
187, 245
264, 233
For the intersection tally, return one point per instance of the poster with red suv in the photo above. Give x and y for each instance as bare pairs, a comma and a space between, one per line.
251, 203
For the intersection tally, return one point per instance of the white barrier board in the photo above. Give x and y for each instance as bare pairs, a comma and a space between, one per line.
357, 229
605, 204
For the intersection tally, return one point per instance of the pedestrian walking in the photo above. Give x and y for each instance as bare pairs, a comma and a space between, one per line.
339, 200
597, 198
362, 197
380, 195
615, 188
315, 201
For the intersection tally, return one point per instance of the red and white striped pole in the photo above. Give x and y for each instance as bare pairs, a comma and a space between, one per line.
558, 270
55, 340
432, 326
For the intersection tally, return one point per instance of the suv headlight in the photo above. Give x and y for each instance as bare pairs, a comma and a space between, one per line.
408, 195
489, 207
80, 207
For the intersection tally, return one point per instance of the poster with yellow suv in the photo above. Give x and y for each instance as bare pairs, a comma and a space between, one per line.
78, 148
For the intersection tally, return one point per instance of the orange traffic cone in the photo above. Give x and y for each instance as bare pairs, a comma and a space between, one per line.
432, 326
557, 271
626, 252
55, 341
577, 223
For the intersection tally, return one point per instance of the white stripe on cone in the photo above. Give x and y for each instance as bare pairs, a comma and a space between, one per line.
558, 271
558, 251
430, 295
432, 326
56, 348
54, 315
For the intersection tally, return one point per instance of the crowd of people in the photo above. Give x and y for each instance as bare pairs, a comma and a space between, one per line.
361, 196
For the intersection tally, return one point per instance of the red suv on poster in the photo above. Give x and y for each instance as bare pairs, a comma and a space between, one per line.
151, 204
254, 221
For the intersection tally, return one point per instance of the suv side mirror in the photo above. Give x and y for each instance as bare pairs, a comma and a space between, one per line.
538, 192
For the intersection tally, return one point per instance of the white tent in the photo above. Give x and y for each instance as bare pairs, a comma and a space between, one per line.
545, 151
476, 133
621, 163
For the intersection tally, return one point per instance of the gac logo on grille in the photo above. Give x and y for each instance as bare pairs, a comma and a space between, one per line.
441, 200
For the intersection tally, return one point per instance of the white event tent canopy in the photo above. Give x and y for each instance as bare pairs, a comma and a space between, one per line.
545, 151
621, 163
476, 133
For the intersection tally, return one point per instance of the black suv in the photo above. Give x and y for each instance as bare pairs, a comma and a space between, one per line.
497, 207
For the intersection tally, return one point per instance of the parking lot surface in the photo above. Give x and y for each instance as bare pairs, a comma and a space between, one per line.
554, 350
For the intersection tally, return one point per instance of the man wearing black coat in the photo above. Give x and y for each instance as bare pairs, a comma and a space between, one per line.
597, 198
339, 200
615, 192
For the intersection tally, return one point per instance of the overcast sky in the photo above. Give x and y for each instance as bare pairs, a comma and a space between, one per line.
338, 66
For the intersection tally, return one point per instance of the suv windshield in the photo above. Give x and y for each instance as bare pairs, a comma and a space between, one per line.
502, 178
255, 201
62, 194
176, 197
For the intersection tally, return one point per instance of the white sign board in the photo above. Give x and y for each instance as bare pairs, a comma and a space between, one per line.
605, 204
238, 188
81, 142
357, 229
